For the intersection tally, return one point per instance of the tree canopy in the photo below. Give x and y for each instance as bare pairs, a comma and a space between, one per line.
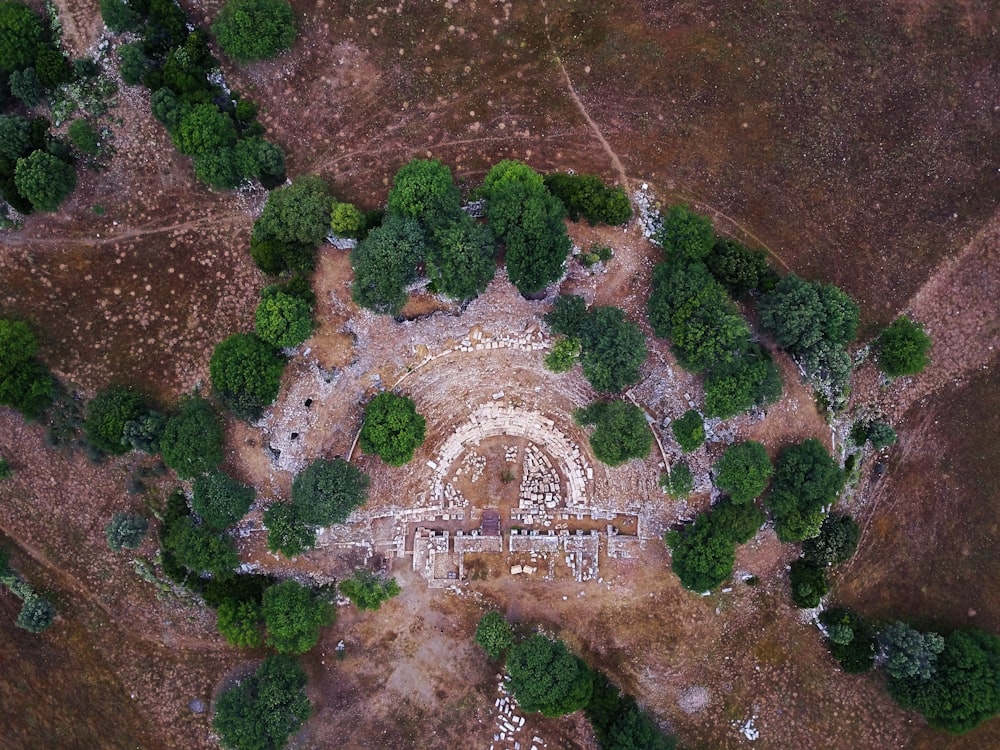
909, 654
903, 348
294, 614
423, 189
802, 313
201, 549
743, 471
326, 492
703, 553
612, 349
621, 431
460, 258
108, 413
283, 320
192, 439
685, 234
750, 379
286, 532
21, 36
679, 481
255, 29
25, 383
546, 677
836, 542
126, 531
689, 430
220, 500
494, 634
385, 262
809, 583
392, 428
806, 479
368, 591
294, 221
246, 374
739, 269
585, 195
45, 180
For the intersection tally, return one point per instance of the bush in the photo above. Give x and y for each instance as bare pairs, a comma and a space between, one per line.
108, 413
423, 189
15, 137
743, 471
494, 634
903, 348
283, 320
385, 262
25, 383
689, 430
246, 374
255, 29
909, 654
678, 482
586, 195
392, 428
326, 492
192, 439
200, 549
5, 471
264, 710
294, 615
685, 234
809, 583
750, 379
850, 639
739, 269
84, 137
806, 479
126, 531
546, 677
622, 432
44, 180
239, 623
36, 615
367, 591
563, 355
836, 542
134, 65
220, 500
286, 532
612, 349
460, 259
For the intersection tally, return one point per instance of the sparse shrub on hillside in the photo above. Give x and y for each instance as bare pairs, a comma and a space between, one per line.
689, 430
743, 471
392, 428
494, 635
126, 531
368, 591
293, 615
585, 195
809, 583
326, 492
685, 234
108, 413
255, 29
806, 479
192, 439
679, 481
246, 374
903, 348
546, 677
621, 431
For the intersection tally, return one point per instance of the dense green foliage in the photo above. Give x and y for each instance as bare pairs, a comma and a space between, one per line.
879, 434
494, 634
743, 471
836, 542
703, 553
903, 348
294, 221
246, 374
21, 36
909, 654
326, 492
392, 428
585, 195
739, 269
239, 623
201, 549
192, 439
108, 413
36, 615
44, 180
144, 432
126, 531
368, 591
286, 532
254, 29
119, 16
751, 379
546, 677
220, 500
806, 479
528, 220
809, 583
568, 315
84, 137
385, 262
689, 430
460, 258
6, 472
263, 711
621, 431
685, 234
346, 220
679, 481
619, 723
563, 356
25, 383
283, 320
294, 615
423, 189
850, 638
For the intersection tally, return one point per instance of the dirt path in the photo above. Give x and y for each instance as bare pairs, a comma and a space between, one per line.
21, 239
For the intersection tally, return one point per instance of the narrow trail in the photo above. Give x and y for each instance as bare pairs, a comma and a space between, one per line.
615, 161
19, 239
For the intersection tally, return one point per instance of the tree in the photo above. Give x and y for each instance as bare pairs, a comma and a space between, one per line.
260, 159
806, 479
836, 542
239, 623
294, 221
293, 615
108, 413
204, 129
21, 36
326, 492
385, 262
84, 137
881, 435
286, 532
564, 354
750, 379
255, 29
679, 481
218, 167
612, 349
703, 553
346, 220
263, 711
423, 189
192, 439
26, 86
494, 634
739, 269
25, 383
134, 64
909, 654
126, 531
283, 320
220, 500
850, 639
460, 258
392, 428
586, 195
367, 591
568, 314
36, 615
120, 16
619, 723
800, 314
15, 137
201, 549
44, 180
622, 432
743, 471
809, 583
246, 374
546, 677
685, 234
689, 430
903, 348
144, 432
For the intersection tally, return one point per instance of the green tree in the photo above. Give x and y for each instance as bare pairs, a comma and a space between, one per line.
192, 439
612, 349
800, 314
84, 137
21, 36
263, 711
739, 269
460, 258
806, 479
586, 195
200, 549
135, 65
809, 583
424, 190
294, 615
108, 413
619, 723
751, 379
679, 481
881, 435
126, 531
283, 320
15, 137
44, 180
144, 432
326, 492
239, 623
294, 221
26, 86
367, 591
346, 220
255, 29
494, 634
220, 500
621, 431
218, 168
36, 615
564, 354
6, 472
392, 428
204, 129
903, 348
286, 532
689, 430
120, 16
685, 234
703, 552
25, 383
546, 677
260, 159
385, 262
568, 315
909, 654
850, 639
836, 542
246, 374
743, 471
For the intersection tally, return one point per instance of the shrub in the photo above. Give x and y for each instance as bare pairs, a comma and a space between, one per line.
346, 220
612, 349
739, 269
881, 435
586, 195
84, 137
619, 723
108, 413
689, 430
283, 320
806, 479
809, 583
460, 259
392, 428
246, 374
15, 137
25, 383
909, 654
836, 542
255, 29
750, 379
903, 348
36, 615
423, 189
126, 531
563, 355
200, 549
743, 471
850, 639
294, 615
546, 677
264, 710
385, 262
367, 591
679, 481
44, 180
5, 471
494, 634
192, 439
220, 500
685, 234
286, 532
622, 432
326, 492
239, 623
